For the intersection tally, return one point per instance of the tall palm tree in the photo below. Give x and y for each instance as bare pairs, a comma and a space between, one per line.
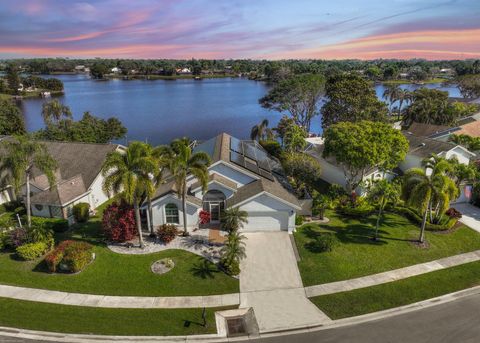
234, 218
382, 192
403, 96
391, 94
22, 155
261, 131
430, 190
54, 110
183, 162
130, 172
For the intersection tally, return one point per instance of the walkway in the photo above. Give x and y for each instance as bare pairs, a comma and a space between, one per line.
77, 299
270, 283
392, 275
470, 215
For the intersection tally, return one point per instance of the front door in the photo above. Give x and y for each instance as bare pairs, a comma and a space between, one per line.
214, 212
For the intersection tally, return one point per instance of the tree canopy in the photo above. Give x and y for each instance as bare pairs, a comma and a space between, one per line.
360, 147
469, 86
11, 119
298, 95
351, 98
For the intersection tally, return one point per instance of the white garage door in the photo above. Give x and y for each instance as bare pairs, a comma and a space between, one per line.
267, 221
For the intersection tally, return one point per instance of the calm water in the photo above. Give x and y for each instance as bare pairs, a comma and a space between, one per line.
161, 110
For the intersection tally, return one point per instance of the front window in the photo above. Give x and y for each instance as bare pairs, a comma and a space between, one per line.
171, 214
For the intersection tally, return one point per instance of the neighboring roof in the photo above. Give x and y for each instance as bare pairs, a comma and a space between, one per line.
425, 130
471, 129
63, 193
424, 147
259, 186
217, 178
170, 187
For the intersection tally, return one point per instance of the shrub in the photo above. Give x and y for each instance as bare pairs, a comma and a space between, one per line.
40, 234
69, 256
299, 220
54, 224
204, 217
17, 237
3, 239
363, 209
412, 215
323, 242
272, 147
231, 267
118, 222
167, 233
31, 251
14, 206
453, 213
81, 212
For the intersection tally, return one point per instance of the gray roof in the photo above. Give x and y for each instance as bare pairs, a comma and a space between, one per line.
64, 192
218, 178
170, 186
422, 129
424, 147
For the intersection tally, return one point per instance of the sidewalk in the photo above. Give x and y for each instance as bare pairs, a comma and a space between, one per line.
77, 299
392, 275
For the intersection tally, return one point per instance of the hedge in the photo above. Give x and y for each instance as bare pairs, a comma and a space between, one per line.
81, 212
415, 217
55, 224
31, 251
69, 256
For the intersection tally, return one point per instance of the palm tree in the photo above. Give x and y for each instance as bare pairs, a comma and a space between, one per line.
391, 94
382, 192
130, 172
261, 131
54, 110
233, 252
183, 162
22, 155
234, 218
404, 95
430, 190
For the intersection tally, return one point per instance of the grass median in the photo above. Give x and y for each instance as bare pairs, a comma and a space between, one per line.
399, 293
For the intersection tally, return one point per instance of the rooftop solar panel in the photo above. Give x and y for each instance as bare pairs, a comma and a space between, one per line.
236, 145
250, 156
237, 158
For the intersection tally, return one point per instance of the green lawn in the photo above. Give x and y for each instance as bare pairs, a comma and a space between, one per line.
399, 293
106, 321
355, 254
118, 274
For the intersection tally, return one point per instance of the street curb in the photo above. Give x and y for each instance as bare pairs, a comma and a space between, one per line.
81, 338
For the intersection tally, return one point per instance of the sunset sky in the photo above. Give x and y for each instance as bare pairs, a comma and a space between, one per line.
272, 29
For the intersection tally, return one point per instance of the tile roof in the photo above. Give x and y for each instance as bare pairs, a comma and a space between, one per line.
470, 129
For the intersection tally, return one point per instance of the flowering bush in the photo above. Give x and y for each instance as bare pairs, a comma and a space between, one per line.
119, 222
70, 256
167, 233
453, 213
204, 217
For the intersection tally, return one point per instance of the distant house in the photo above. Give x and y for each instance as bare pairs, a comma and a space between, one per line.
78, 179
116, 70
241, 176
183, 71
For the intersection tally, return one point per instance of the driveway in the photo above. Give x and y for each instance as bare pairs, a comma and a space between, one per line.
270, 283
470, 215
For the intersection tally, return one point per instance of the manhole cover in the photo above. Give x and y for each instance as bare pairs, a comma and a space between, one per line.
236, 326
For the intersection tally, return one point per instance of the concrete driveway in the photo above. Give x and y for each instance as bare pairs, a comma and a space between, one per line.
470, 215
270, 283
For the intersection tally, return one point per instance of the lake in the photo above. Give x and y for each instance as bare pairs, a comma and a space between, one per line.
158, 111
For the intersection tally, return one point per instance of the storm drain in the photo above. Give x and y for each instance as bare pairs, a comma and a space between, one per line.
236, 326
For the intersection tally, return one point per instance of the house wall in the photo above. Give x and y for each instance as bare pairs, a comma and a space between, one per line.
266, 204
5, 195
460, 154
158, 209
232, 174
330, 173
42, 212
97, 195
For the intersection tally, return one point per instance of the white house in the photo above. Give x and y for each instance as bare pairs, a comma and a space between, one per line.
241, 175
423, 147
78, 179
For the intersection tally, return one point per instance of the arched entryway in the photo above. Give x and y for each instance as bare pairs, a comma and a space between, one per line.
214, 202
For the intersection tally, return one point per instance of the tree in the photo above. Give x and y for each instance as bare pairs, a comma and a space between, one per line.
22, 156
261, 132
11, 119
469, 142
429, 191
283, 124
128, 172
382, 192
391, 93
184, 162
299, 95
54, 110
233, 219
469, 85
98, 70
13, 79
360, 147
294, 139
351, 98
303, 170
233, 252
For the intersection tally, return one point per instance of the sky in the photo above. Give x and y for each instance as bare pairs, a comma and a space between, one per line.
256, 29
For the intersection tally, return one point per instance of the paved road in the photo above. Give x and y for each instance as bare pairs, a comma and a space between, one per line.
457, 321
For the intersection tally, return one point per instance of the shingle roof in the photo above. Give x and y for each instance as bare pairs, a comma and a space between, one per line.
170, 186
422, 129
64, 192
425, 147
218, 178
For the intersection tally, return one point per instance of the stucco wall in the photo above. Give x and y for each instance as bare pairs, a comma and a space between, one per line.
158, 209
97, 195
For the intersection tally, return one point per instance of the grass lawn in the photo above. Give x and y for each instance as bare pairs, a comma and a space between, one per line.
106, 321
355, 254
118, 274
398, 293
